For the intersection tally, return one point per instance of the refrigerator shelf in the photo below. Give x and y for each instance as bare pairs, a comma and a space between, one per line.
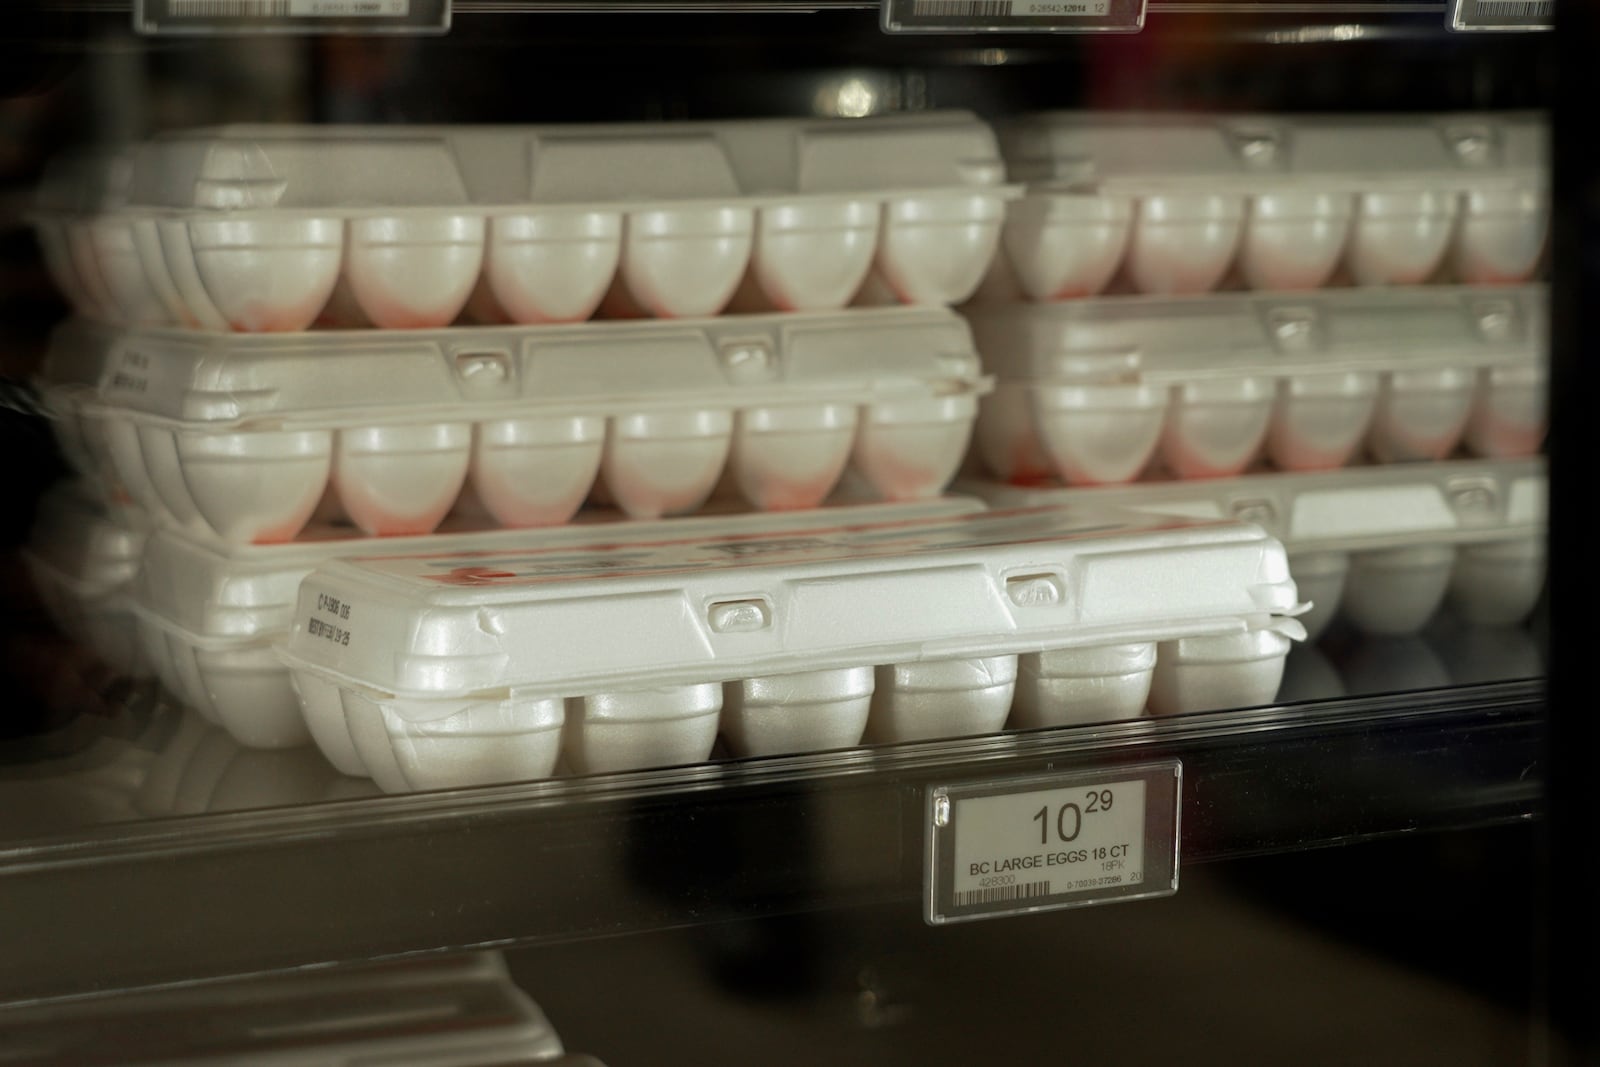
135, 902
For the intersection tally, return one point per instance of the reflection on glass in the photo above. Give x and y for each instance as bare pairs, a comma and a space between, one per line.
1317, 34
169, 763
851, 98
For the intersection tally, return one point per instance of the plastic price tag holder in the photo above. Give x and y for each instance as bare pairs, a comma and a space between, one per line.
1012, 846
1501, 15
1013, 16
166, 17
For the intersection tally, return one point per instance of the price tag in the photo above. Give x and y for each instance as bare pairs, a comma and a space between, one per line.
1503, 15
1012, 846
290, 16
1013, 16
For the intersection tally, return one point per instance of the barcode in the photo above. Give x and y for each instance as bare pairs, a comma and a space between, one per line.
1002, 893
962, 8
1500, 9
229, 9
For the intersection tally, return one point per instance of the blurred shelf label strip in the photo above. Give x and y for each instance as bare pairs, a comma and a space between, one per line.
168, 17
1013, 16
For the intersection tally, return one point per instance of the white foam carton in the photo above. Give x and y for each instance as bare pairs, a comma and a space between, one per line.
443, 668
240, 438
1097, 391
1381, 546
208, 615
274, 228
1176, 204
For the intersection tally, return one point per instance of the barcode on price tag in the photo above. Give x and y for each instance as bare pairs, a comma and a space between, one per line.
1064, 840
975, 9
291, 16
1502, 15
282, 9
241, 9
1017, 16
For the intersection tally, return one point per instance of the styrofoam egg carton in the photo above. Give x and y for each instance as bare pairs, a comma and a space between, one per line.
82, 561
268, 228
442, 669
1097, 391
241, 437
1173, 202
440, 1016
1383, 546
208, 615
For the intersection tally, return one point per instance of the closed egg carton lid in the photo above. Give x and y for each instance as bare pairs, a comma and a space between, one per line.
1153, 153
227, 594
369, 169
1125, 339
1350, 509
330, 379
623, 616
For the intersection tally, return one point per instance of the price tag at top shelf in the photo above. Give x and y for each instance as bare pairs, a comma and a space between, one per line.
1502, 15
164, 17
1014, 846
1013, 16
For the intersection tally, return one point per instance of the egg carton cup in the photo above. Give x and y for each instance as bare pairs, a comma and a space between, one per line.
275, 228
1383, 547
242, 438
1176, 204
1100, 391
206, 616
442, 670
82, 562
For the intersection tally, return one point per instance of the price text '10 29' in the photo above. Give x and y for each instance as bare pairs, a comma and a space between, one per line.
1071, 815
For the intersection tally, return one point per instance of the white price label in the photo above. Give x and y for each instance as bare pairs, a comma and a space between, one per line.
1066, 840
1026, 845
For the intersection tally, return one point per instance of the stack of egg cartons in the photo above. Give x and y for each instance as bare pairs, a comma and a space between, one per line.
296, 341
1326, 325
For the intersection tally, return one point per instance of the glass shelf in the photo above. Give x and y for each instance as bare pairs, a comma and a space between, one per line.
148, 848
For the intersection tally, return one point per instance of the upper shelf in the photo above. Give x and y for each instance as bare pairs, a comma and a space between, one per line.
158, 899
1358, 18
1229, 7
